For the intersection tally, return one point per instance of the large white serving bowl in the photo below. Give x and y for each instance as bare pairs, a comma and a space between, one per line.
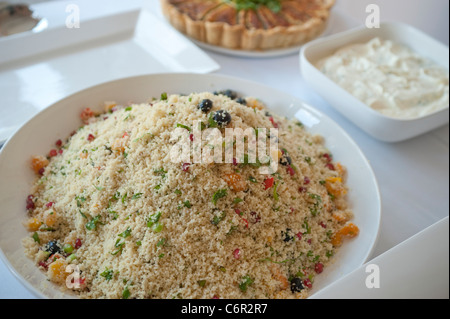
39, 134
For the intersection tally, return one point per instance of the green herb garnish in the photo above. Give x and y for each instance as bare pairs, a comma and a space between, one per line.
161, 242
253, 180
136, 196
184, 126
125, 293
92, 224
237, 200
36, 238
107, 274
126, 233
246, 281
218, 218
218, 195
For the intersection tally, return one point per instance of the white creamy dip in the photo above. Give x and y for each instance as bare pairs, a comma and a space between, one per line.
390, 78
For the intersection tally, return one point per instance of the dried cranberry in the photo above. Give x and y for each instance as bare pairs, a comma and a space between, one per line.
49, 204
30, 202
235, 162
58, 143
191, 137
237, 253
41, 171
275, 125
330, 166
299, 236
322, 225
306, 180
255, 217
185, 167
291, 171
307, 283
53, 153
302, 189
78, 243
43, 264
91, 137
327, 157
318, 268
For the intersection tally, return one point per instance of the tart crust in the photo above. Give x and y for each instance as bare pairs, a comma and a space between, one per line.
218, 23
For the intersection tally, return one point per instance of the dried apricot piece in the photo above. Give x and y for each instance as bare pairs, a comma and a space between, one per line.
38, 163
50, 219
278, 275
33, 224
350, 230
57, 271
235, 182
335, 186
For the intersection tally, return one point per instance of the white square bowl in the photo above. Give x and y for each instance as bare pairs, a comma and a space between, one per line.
380, 126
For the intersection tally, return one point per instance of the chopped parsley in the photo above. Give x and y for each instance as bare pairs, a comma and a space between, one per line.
36, 238
108, 274
184, 126
92, 224
246, 281
218, 195
126, 233
136, 196
153, 222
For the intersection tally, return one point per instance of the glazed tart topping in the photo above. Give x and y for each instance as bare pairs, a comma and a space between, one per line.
273, 5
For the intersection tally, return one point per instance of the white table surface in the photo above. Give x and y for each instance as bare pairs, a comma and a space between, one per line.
413, 175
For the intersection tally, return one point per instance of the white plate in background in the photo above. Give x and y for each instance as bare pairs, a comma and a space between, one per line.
60, 119
145, 45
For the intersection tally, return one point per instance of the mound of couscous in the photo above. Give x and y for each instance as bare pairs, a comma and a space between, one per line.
111, 215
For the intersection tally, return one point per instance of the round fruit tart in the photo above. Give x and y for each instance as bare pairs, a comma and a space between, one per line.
249, 24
